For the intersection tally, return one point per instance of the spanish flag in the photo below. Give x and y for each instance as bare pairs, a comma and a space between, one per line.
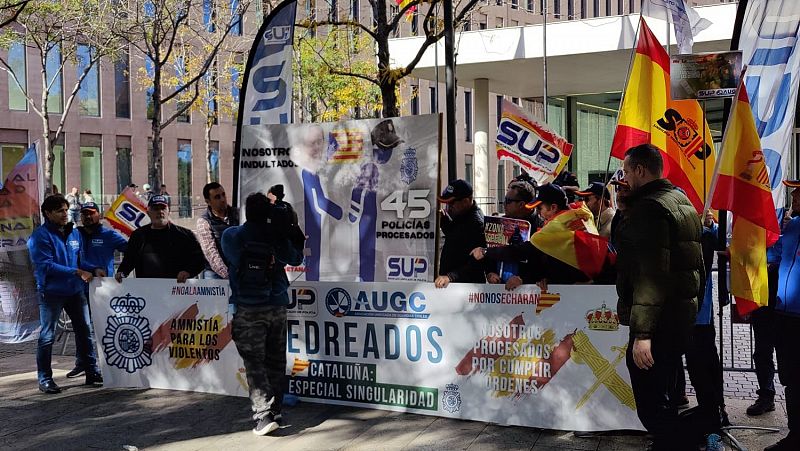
571, 237
649, 115
741, 186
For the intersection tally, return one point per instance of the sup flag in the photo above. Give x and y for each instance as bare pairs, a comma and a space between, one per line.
741, 186
571, 237
267, 97
675, 127
530, 144
127, 213
684, 18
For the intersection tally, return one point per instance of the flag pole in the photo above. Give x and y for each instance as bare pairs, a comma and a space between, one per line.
703, 149
544, 58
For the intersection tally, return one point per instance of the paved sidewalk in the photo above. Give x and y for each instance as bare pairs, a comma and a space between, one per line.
95, 418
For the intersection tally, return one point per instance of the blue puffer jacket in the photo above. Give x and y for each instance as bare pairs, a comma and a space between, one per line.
234, 240
55, 257
98, 247
785, 253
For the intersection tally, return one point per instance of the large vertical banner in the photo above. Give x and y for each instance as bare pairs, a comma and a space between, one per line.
19, 215
364, 193
768, 41
267, 88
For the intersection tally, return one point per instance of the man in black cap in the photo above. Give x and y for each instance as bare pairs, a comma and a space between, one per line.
462, 225
598, 200
98, 244
161, 249
543, 268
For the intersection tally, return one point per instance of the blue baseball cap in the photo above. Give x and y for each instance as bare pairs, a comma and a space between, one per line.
90, 206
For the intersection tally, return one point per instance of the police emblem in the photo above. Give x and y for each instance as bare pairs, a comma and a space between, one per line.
408, 166
451, 398
128, 341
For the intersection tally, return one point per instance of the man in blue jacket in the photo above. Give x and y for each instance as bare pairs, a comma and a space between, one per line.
787, 321
257, 253
98, 244
60, 279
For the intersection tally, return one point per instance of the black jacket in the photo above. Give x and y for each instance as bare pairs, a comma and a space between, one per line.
462, 234
163, 253
660, 269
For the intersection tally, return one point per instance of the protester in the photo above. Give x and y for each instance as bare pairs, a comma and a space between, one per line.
787, 322
148, 193
210, 225
74, 201
702, 358
541, 268
462, 226
54, 249
161, 249
257, 253
569, 183
598, 200
659, 274
166, 193
87, 196
98, 244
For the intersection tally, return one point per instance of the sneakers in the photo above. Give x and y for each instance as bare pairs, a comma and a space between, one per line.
266, 424
94, 379
714, 443
76, 372
680, 402
49, 387
761, 406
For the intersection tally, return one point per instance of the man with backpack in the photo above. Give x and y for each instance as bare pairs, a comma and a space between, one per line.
256, 254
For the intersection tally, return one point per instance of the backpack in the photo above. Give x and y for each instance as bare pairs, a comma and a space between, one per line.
255, 269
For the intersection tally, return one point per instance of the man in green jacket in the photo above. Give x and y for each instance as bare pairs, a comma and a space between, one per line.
659, 281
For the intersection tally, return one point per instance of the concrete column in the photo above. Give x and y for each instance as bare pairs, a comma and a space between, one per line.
481, 138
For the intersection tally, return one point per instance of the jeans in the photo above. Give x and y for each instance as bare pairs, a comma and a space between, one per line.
210, 274
77, 308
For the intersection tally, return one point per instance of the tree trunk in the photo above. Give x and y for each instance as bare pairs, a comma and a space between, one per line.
209, 172
154, 166
388, 84
48, 145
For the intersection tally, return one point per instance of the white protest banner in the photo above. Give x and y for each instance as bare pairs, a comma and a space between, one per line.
530, 144
364, 192
554, 360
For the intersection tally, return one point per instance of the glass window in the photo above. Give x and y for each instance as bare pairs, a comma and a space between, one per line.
150, 69
58, 168
124, 173
468, 168
92, 166
213, 161
584, 9
499, 23
10, 154
596, 9
89, 91
186, 116
631, 6
184, 179
212, 91
557, 9
236, 82
514, 4
236, 23
355, 10
482, 23
414, 23
122, 86
17, 99
414, 99
333, 13
55, 99
432, 99
209, 15
468, 116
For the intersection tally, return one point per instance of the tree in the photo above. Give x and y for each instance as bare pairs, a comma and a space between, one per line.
63, 33
10, 10
326, 96
179, 40
380, 29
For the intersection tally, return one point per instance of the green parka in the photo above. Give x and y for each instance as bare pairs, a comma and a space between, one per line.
659, 264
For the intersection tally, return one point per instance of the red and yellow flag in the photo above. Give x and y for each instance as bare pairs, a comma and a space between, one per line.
571, 237
742, 187
649, 115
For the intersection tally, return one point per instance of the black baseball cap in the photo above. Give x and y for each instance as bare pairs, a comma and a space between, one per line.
596, 188
90, 206
457, 189
549, 194
158, 200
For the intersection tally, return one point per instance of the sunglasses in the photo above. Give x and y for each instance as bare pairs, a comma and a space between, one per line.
509, 200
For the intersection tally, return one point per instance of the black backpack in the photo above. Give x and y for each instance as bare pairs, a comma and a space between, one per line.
256, 266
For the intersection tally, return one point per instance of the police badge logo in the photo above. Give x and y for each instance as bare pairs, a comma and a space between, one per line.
128, 341
451, 398
409, 166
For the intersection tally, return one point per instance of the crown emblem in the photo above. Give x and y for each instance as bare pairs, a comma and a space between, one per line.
602, 319
127, 304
